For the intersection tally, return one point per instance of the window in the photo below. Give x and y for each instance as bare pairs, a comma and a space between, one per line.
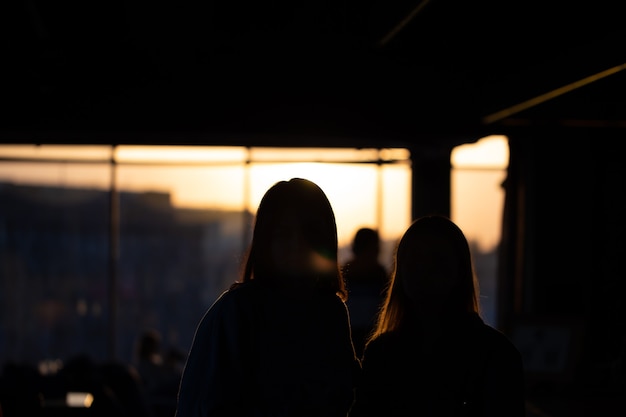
163, 229
477, 200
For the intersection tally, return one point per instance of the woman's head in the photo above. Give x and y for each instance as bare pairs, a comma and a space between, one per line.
294, 241
433, 274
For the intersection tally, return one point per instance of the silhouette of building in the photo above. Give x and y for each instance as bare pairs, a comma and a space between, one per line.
55, 281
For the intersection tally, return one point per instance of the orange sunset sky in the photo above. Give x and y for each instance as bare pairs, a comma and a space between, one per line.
362, 194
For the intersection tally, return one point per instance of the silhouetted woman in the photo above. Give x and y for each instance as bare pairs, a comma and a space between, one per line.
278, 342
431, 354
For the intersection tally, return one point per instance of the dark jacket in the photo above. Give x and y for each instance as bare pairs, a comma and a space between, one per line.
471, 370
257, 352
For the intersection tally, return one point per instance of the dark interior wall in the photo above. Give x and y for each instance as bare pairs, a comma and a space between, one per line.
563, 245
577, 209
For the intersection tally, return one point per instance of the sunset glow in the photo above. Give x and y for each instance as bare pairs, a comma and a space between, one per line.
362, 192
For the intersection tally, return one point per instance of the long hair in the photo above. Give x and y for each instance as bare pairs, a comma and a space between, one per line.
433, 268
295, 210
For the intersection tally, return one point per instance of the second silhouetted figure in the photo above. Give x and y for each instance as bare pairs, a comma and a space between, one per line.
431, 354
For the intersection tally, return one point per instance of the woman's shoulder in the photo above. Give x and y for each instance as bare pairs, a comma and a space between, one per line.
237, 296
492, 339
388, 342
252, 292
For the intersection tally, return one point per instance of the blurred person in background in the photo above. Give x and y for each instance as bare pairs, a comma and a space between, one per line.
366, 279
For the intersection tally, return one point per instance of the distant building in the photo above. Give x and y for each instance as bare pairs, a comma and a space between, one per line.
56, 271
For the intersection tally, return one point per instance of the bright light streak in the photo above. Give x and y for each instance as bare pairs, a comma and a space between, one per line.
180, 154
216, 177
489, 152
79, 399
477, 197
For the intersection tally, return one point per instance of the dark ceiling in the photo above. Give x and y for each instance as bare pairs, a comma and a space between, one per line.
318, 70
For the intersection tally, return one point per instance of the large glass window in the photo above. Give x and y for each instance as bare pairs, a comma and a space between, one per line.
98, 243
477, 203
